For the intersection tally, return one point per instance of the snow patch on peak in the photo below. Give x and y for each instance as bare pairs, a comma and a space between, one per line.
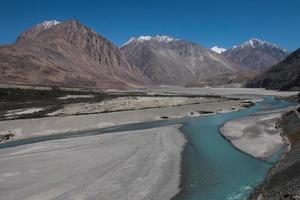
144, 38
218, 50
164, 38
159, 38
254, 42
48, 24
129, 41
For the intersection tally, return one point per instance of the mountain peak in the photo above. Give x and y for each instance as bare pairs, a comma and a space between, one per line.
159, 38
256, 54
35, 30
169, 61
254, 42
218, 50
48, 24
67, 54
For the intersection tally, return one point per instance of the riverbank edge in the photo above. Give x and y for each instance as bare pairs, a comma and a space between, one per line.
285, 143
265, 190
181, 129
183, 152
165, 169
12, 130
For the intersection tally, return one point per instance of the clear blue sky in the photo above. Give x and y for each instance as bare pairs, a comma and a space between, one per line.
208, 22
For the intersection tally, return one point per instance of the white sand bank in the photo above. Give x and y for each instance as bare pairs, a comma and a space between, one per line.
75, 97
219, 91
13, 113
256, 135
135, 165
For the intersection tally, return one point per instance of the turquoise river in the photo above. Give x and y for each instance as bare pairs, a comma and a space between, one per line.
212, 169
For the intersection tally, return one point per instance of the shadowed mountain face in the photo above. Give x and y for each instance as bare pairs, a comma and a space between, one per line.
166, 60
255, 54
282, 76
66, 54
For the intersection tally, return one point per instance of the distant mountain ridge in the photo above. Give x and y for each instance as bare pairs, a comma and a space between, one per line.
70, 54
256, 54
166, 60
66, 54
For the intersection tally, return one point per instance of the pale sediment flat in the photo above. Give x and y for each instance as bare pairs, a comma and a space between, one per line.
218, 91
256, 135
52, 125
128, 103
135, 165
75, 96
11, 113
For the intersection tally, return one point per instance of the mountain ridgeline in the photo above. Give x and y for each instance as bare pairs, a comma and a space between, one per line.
66, 54
70, 54
256, 54
165, 60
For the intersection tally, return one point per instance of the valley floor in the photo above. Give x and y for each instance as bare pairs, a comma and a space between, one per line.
143, 164
136, 165
24, 128
227, 92
72, 112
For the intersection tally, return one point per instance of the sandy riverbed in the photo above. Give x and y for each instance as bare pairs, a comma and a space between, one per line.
52, 125
142, 164
135, 165
256, 135
229, 92
128, 103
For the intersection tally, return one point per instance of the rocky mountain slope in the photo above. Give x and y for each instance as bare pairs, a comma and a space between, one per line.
282, 76
166, 60
256, 54
66, 54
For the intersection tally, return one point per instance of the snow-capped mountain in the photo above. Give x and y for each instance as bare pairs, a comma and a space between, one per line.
254, 43
256, 54
48, 24
218, 50
31, 33
66, 54
169, 61
159, 38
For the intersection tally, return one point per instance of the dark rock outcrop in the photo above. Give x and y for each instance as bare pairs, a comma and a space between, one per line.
283, 76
